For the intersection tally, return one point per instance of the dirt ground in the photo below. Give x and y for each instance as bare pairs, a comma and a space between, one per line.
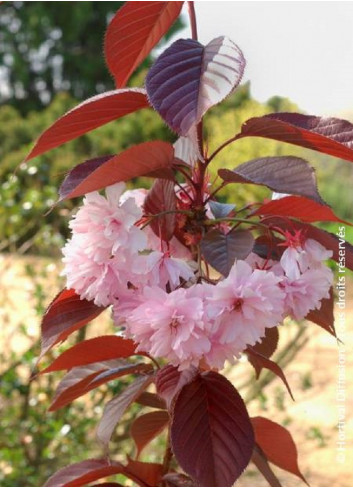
313, 376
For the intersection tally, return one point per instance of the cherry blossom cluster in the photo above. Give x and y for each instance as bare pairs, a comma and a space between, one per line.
159, 297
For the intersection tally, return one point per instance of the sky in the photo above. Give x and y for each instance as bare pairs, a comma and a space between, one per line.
299, 50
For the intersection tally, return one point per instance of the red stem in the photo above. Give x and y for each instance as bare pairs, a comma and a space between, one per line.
222, 146
193, 23
199, 185
192, 17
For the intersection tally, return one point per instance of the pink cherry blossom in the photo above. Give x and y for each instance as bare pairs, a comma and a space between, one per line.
305, 293
126, 303
108, 222
162, 269
242, 306
99, 281
306, 280
316, 252
257, 262
137, 194
174, 246
170, 326
102, 255
151, 284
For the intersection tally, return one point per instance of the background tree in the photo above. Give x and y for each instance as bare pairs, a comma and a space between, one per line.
48, 47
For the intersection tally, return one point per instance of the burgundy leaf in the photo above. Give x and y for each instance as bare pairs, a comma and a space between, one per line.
277, 444
116, 407
266, 246
155, 157
144, 473
284, 174
174, 479
161, 198
328, 240
324, 316
151, 400
266, 347
325, 134
221, 250
259, 361
93, 350
259, 459
169, 381
211, 432
189, 78
300, 208
133, 32
146, 427
90, 114
65, 314
108, 484
82, 473
80, 380
78, 173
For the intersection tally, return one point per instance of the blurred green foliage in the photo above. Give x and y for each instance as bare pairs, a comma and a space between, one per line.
48, 47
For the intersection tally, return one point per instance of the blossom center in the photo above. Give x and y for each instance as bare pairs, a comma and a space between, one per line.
175, 321
237, 304
295, 240
115, 224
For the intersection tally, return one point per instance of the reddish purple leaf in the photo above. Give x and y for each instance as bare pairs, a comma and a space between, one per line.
325, 134
174, 479
133, 32
147, 427
260, 460
151, 400
266, 246
211, 433
79, 173
144, 473
161, 198
221, 250
155, 157
90, 114
266, 347
108, 484
324, 316
80, 380
259, 362
169, 381
300, 208
82, 473
189, 78
116, 407
284, 174
277, 445
98, 349
65, 314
